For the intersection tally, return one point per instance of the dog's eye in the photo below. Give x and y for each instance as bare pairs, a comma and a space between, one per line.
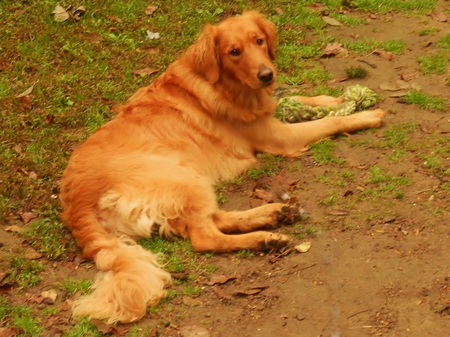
260, 41
235, 52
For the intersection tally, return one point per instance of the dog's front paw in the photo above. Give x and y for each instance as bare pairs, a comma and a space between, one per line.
275, 241
374, 118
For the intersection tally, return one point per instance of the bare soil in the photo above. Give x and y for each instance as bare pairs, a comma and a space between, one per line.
382, 268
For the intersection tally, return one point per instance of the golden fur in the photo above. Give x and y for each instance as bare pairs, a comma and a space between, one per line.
153, 167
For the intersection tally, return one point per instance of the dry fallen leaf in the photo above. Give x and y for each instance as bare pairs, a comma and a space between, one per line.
330, 21
334, 49
439, 17
109, 328
397, 94
193, 331
10, 332
317, 6
145, 71
219, 279
249, 291
27, 216
26, 101
93, 37
51, 294
114, 18
264, 195
189, 301
150, 10
60, 14
338, 212
410, 76
387, 55
220, 293
14, 229
31, 254
49, 119
26, 92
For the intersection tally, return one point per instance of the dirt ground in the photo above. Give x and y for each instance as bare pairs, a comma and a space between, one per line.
381, 268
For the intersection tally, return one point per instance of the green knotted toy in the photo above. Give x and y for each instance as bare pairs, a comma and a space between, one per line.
356, 98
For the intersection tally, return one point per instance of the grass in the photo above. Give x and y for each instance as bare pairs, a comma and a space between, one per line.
356, 72
425, 101
322, 152
434, 64
78, 70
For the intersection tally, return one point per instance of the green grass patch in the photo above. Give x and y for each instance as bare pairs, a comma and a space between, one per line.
386, 6
444, 42
24, 272
364, 46
425, 101
385, 183
434, 64
270, 166
322, 152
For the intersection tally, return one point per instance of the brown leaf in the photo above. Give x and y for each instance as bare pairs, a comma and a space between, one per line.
49, 119
153, 333
151, 50
27, 216
387, 55
219, 279
26, 101
189, 301
145, 71
427, 128
330, 21
439, 17
317, 6
93, 37
338, 212
10, 332
33, 175
264, 195
337, 80
220, 293
109, 328
410, 76
77, 13
150, 10
51, 294
249, 291
179, 276
194, 331
31, 254
13, 229
334, 49
114, 18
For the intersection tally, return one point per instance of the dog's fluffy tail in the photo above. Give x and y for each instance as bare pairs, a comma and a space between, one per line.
130, 280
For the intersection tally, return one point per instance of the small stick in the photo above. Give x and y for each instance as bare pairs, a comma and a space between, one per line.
359, 312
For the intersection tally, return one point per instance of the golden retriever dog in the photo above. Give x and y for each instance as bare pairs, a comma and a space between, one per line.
153, 167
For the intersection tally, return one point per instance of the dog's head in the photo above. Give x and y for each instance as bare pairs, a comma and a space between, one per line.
239, 49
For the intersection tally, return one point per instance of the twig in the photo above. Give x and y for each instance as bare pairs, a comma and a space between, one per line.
359, 312
368, 63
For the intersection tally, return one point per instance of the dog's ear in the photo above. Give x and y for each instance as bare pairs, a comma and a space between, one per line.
203, 55
268, 28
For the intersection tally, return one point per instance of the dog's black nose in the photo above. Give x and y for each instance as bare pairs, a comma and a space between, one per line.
265, 75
